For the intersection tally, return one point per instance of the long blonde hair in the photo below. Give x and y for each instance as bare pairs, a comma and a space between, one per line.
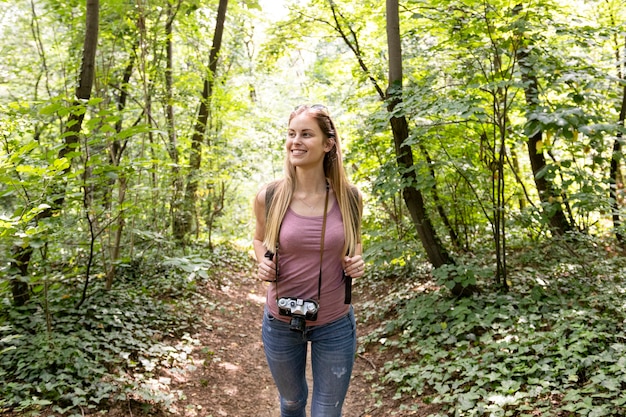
348, 197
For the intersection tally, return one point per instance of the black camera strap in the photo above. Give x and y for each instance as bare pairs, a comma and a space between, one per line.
319, 284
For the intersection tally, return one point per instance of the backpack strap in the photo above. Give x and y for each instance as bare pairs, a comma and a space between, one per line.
355, 206
269, 196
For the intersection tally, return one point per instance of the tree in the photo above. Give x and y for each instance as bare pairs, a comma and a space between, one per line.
22, 253
616, 178
176, 211
413, 198
437, 254
195, 156
548, 195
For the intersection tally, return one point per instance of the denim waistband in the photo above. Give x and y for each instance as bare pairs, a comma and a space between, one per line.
310, 326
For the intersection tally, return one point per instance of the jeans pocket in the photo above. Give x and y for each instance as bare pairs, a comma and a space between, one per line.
269, 316
351, 319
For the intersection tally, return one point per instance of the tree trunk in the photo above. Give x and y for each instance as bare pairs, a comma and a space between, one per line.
176, 206
195, 157
437, 254
22, 255
454, 237
616, 156
547, 191
413, 198
614, 176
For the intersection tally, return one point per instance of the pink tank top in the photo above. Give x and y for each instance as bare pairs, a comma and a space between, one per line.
299, 257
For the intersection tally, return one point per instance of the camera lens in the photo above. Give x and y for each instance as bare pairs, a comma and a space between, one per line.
297, 324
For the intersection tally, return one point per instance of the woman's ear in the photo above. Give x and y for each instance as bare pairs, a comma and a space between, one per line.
330, 144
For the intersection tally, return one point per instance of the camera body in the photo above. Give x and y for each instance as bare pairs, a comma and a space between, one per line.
299, 310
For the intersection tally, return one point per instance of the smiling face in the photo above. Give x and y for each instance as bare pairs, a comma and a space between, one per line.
306, 143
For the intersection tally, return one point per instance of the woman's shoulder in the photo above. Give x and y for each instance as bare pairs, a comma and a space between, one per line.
266, 192
270, 186
354, 189
354, 192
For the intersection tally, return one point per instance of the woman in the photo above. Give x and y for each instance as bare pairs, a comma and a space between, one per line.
308, 244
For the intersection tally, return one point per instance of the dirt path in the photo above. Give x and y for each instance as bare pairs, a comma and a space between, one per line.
229, 377
232, 378
226, 374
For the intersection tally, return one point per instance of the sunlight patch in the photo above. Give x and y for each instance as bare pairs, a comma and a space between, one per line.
504, 400
229, 366
256, 298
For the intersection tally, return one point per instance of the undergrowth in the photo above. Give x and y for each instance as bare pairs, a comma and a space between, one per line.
65, 359
554, 345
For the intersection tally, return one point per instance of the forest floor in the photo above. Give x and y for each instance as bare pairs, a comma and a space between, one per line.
233, 378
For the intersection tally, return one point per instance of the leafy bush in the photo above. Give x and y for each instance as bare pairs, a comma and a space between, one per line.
554, 345
52, 354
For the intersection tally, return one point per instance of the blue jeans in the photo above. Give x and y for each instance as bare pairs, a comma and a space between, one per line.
333, 347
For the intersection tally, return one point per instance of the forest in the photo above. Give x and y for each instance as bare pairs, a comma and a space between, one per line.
485, 135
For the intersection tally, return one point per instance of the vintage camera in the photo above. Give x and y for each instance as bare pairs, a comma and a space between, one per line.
299, 310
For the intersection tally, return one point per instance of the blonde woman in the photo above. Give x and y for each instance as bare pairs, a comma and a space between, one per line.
308, 244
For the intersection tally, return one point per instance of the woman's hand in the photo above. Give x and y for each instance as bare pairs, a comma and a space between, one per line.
266, 270
354, 266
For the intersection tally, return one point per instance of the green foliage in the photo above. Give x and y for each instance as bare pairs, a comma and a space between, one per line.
456, 275
553, 345
463, 94
114, 345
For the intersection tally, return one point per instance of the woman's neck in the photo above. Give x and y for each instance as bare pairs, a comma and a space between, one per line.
310, 184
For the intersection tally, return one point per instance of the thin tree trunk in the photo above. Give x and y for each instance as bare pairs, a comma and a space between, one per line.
117, 241
176, 207
616, 157
200, 129
547, 191
614, 181
454, 238
22, 255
